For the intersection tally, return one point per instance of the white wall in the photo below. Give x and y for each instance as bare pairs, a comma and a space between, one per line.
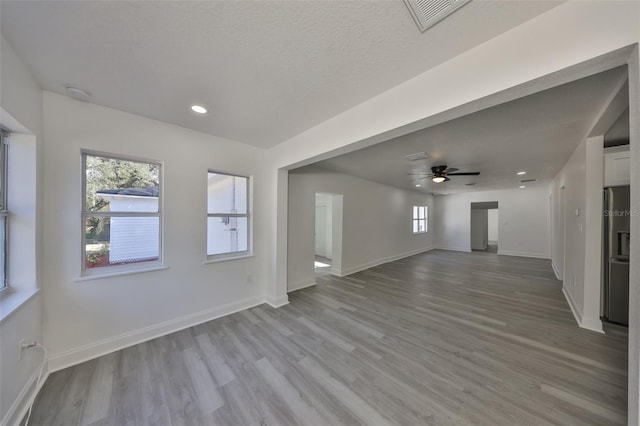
492, 219
571, 180
593, 227
523, 224
21, 102
87, 318
376, 223
582, 180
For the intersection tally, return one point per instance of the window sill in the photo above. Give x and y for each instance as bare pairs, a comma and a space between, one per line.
224, 259
98, 276
11, 300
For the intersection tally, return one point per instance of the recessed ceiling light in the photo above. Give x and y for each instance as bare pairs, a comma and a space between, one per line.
199, 109
418, 185
521, 173
522, 186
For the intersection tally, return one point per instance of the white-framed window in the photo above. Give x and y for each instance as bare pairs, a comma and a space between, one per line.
228, 221
4, 213
420, 219
121, 214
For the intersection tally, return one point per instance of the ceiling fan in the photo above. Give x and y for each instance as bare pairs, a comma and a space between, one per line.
440, 174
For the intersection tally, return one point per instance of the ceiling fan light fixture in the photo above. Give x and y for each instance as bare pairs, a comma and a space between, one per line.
439, 179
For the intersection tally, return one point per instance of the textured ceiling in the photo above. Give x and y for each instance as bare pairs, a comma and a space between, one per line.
536, 134
266, 70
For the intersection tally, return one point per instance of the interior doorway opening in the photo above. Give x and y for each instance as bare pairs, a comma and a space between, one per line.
485, 224
493, 220
327, 233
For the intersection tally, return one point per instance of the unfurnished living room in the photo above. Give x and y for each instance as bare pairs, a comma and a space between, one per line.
394, 212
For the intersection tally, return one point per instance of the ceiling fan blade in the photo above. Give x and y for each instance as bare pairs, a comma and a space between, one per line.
449, 170
464, 174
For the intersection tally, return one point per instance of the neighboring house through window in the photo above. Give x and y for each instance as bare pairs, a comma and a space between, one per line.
122, 213
420, 219
228, 224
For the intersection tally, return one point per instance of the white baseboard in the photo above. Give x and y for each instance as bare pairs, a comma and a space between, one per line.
500, 252
523, 254
577, 314
278, 302
593, 324
20, 406
299, 285
555, 271
452, 248
353, 269
93, 350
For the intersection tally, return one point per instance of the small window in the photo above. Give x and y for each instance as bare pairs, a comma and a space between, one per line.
228, 225
4, 214
420, 219
121, 218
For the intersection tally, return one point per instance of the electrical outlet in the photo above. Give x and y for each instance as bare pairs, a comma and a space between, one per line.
20, 349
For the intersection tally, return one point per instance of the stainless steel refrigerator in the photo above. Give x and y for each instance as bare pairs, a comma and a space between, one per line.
616, 243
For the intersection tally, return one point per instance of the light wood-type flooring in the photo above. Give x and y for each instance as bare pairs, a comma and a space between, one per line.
440, 338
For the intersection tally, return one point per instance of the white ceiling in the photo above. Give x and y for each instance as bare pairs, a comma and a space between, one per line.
536, 134
266, 70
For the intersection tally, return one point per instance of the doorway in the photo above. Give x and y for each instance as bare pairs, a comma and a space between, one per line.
485, 222
492, 230
327, 233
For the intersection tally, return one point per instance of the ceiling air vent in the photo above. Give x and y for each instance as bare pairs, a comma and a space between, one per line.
427, 13
527, 180
417, 156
